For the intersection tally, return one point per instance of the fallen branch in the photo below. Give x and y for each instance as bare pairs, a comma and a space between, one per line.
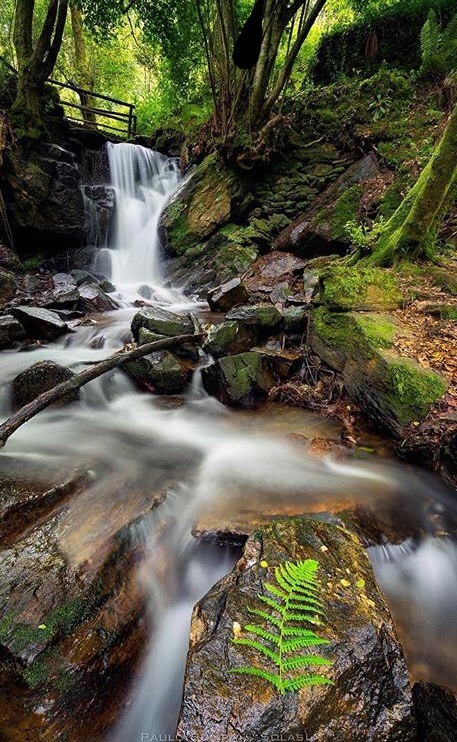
89, 374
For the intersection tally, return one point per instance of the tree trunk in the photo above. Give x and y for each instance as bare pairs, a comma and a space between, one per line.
85, 78
410, 233
35, 61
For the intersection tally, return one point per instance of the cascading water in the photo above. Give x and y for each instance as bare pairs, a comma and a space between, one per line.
143, 181
198, 453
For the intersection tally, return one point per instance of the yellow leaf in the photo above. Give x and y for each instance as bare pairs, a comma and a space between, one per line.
345, 583
264, 563
42, 626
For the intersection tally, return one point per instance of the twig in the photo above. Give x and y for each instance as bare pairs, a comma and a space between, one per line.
89, 374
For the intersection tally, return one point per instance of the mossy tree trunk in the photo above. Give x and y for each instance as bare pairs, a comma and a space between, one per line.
36, 59
410, 233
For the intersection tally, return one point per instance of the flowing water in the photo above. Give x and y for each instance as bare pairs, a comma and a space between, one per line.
209, 463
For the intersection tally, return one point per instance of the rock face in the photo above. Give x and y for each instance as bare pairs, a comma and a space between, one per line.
239, 380
9, 259
10, 330
162, 322
320, 230
370, 700
224, 297
39, 378
229, 338
40, 323
390, 389
43, 197
159, 372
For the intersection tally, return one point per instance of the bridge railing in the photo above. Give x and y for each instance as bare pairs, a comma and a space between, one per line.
94, 116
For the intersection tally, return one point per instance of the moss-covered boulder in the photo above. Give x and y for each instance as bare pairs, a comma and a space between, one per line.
239, 380
264, 317
162, 322
344, 288
371, 696
201, 205
229, 338
160, 372
391, 389
187, 351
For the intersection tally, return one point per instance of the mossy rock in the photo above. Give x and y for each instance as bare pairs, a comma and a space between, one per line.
230, 338
202, 205
344, 288
239, 380
264, 317
160, 372
392, 390
162, 322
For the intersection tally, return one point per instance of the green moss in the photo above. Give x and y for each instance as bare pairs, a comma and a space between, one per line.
345, 288
345, 210
236, 258
412, 389
378, 330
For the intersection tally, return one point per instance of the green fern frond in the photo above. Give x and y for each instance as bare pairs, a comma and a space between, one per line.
295, 604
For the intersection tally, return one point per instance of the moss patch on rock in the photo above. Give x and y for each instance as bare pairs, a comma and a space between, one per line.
344, 288
392, 390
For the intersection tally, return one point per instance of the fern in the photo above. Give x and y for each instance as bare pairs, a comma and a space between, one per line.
438, 46
294, 604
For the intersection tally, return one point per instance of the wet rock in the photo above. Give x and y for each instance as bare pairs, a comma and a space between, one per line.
39, 378
84, 278
103, 199
264, 317
83, 258
65, 292
42, 324
8, 259
189, 352
162, 322
310, 282
239, 380
229, 338
371, 697
224, 297
94, 299
360, 289
436, 712
274, 268
7, 286
160, 372
10, 330
392, 390
321, 229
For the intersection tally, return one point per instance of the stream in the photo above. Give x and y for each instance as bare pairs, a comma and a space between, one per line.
209, 465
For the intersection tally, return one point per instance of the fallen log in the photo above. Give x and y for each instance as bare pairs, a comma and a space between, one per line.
89, 374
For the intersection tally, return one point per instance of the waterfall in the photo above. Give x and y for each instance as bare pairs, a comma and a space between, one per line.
143, 180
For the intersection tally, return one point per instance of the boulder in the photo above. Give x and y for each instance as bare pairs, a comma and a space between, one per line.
7, 287
159, 372
64, 292
436, 711
321, 229
162, 322
392, 390
224, 297
39, 378
94, 299
239, 380
42, 324
360, 289
370, 700
10, 330
229, 338
264, 317
273, 269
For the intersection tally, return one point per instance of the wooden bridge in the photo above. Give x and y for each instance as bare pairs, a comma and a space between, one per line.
96, 116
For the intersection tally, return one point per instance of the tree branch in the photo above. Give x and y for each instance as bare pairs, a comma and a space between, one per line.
89, 374
54, 49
